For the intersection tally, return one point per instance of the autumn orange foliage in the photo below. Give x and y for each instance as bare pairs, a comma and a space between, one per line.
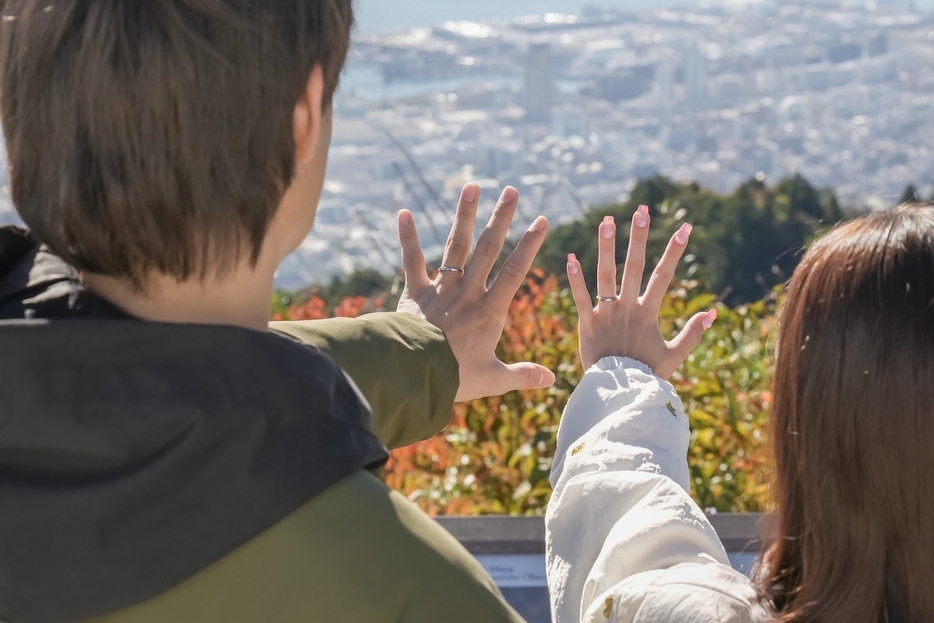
495, 456
316, 309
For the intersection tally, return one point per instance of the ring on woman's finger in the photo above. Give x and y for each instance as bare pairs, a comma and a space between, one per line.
451, 269
607, 299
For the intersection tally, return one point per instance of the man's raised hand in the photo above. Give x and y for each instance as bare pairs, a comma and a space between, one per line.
459, 302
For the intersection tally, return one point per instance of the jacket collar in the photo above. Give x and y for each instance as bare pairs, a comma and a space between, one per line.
134, 454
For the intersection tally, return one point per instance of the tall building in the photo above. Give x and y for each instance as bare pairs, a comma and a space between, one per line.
695, 76
665, 83
539, 83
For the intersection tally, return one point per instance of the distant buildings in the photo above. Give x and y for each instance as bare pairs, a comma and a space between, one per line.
695, 75
572, 110
539, 83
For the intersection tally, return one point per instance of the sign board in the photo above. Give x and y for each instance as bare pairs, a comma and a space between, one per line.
512, 550
516, 570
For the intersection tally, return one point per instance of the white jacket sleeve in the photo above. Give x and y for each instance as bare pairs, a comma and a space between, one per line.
625, 541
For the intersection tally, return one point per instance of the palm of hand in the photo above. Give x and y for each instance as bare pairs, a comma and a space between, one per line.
459, 303
624, 323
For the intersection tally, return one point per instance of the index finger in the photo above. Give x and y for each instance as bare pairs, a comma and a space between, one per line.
413, 260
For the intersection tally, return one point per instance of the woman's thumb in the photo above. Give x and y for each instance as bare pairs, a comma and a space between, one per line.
690, 338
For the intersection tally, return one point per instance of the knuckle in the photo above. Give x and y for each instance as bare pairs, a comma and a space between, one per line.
513, 270
674, 249
503, 209
457, 247
665, 274
488, 248
635, 262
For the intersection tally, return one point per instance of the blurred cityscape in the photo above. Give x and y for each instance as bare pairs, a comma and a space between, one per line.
573, 109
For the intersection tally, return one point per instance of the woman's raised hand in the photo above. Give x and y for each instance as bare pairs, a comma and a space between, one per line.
459, 302
625, 321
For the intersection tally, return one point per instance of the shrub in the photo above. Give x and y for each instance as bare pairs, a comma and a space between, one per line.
496, 455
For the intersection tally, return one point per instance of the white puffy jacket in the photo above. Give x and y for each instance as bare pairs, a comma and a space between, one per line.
625, 541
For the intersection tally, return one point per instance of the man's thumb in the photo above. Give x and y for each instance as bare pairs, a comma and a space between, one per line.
529, 376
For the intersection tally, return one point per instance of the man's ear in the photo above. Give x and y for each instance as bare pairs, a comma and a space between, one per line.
306, 124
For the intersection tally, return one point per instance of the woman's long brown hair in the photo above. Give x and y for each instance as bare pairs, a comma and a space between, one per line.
853, 428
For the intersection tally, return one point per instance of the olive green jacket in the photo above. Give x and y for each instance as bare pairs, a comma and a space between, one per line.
357, 552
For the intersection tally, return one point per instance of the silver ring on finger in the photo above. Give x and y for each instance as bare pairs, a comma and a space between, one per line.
451, 269
607, 299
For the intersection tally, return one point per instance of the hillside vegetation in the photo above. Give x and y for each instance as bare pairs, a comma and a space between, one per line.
744, 244
496, 455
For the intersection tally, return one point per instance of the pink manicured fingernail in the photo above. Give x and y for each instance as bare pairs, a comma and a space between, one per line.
509, 195
405, 218
710, 318
684, 234
642, 216
470, 192
540, 224
608, 228
572, 264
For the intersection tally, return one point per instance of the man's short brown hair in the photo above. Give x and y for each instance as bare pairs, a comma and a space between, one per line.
156, 135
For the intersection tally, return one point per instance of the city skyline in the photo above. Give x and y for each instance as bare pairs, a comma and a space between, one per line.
573, 109
840, 95
385, 16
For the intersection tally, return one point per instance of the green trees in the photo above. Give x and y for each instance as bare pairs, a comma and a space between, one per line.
744, 244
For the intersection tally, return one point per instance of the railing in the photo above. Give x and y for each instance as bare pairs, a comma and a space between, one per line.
513, 550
